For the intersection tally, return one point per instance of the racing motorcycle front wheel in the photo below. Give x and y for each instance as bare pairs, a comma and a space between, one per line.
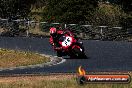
78, 52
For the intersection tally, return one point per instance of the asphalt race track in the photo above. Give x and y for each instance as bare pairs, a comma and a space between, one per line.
103, 56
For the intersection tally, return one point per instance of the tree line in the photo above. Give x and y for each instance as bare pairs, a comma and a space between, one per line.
116, 12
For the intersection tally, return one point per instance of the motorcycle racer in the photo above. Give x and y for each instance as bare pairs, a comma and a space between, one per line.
54, 39
54, 36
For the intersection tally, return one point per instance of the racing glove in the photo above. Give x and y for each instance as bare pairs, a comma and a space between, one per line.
52, 44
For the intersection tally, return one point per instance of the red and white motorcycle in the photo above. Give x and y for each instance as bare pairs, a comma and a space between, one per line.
71, 47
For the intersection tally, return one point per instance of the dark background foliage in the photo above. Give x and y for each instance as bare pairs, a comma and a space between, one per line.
95, 12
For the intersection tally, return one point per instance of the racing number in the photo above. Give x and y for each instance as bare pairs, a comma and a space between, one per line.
68, 39
67, 42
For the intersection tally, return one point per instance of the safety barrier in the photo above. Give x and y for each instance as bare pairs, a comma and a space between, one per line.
82, 31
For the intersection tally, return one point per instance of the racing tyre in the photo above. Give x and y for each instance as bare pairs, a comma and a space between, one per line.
59, 53
79, 54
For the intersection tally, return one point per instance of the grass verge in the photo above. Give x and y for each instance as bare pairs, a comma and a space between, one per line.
52, 81
15, 58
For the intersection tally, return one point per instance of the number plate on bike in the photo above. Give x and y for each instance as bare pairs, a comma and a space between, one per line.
67, 41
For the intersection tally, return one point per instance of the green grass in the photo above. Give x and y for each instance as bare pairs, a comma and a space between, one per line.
52, 82
15, 58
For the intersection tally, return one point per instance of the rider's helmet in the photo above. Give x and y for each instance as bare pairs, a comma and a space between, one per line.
53, 31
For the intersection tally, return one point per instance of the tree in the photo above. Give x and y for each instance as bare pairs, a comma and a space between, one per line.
38, 3
125, 4
15, 7
68, 11
107, 14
